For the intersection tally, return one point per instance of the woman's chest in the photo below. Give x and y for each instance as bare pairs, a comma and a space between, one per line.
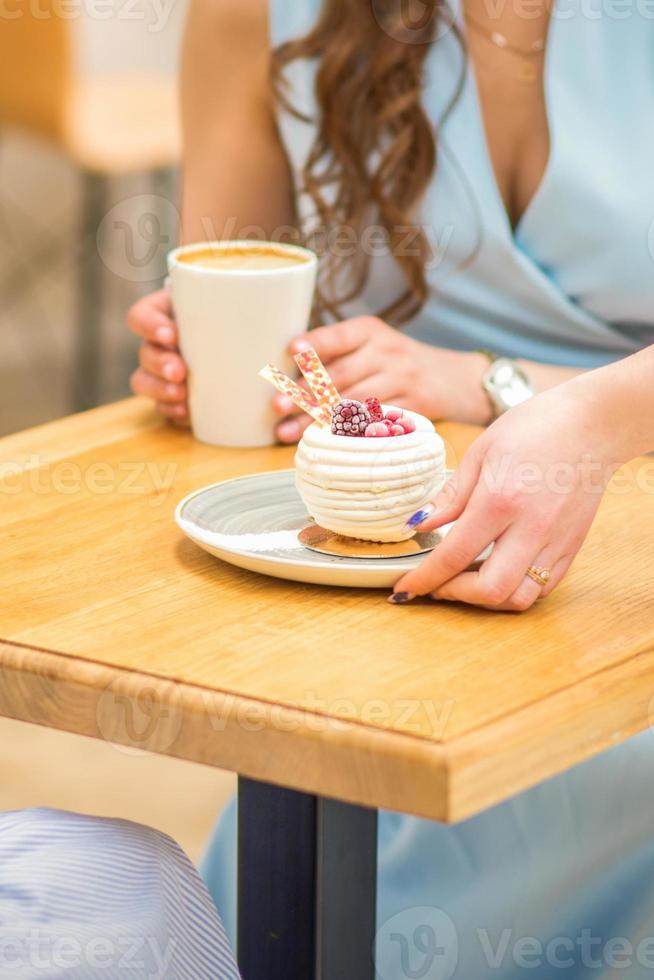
507, 56
516, 130
561, 174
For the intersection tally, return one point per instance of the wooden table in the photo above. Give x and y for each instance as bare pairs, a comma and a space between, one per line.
329, 703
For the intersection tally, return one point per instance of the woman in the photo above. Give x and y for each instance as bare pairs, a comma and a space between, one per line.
537, 211
500, 155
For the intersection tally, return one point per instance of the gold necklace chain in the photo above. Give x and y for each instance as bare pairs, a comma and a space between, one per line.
501, 41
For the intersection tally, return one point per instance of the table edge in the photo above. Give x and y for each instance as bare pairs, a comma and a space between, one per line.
354, 762
284, 745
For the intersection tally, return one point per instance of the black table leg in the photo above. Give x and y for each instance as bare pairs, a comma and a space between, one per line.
276, 882
307, 886
346, 891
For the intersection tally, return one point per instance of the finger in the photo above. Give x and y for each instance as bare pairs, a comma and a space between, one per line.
353, 369
337, 339
452, 499
290, 430
467, 539
151, 318
529, 591
559, 571
152, 387
382, 386
283, 405
160, 301
467, 587
498, 578
177, 412
162, 363
464, 588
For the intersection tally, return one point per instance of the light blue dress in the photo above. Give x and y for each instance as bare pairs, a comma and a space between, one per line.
558, 882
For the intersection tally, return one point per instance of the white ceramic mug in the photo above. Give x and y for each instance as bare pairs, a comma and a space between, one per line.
232, 321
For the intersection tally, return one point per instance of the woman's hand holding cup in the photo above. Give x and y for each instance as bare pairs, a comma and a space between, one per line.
363, 355
161, 374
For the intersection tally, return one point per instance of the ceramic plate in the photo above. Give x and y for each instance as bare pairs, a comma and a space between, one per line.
254, 521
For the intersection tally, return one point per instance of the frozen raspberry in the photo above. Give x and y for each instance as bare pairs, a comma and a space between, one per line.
394, 414
407, 424
350, 418
375, 409
377, 429
397, 430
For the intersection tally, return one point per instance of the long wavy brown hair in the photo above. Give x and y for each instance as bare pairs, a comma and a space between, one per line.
375, 149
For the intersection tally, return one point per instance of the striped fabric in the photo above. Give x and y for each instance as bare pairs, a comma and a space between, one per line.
86, 898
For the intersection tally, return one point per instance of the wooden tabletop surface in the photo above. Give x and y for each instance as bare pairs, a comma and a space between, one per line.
113, 625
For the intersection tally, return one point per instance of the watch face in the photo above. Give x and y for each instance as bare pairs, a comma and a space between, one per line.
507, 384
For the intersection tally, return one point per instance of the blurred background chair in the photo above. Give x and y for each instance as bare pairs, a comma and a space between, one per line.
108, 125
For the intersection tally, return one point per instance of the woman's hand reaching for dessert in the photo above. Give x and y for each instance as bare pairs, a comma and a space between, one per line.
531, 483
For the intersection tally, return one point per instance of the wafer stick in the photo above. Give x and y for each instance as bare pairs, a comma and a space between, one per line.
298, 395
317, 377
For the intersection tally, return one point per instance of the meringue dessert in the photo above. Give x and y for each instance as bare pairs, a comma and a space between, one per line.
370, 471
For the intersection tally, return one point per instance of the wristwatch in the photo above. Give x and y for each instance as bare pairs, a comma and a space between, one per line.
505, 383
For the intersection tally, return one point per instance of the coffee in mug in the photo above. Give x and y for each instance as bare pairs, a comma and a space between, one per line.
237, 306
237, 257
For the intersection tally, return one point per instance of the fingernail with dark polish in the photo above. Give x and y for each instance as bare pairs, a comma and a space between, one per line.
419, 516
397, 598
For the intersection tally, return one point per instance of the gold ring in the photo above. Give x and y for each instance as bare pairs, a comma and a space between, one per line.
539, 575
